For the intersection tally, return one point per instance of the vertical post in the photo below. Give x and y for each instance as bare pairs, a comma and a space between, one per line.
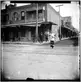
59, 20
36, 22
59, 23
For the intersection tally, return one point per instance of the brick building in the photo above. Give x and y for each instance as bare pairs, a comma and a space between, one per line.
19, 23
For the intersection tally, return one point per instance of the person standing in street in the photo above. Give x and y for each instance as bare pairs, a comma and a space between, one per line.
41, 37
52, 39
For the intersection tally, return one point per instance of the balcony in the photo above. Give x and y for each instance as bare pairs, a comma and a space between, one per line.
31, 16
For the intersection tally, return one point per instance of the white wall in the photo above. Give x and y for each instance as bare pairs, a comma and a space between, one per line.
53, 16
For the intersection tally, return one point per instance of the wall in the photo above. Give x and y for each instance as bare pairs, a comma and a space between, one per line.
53, 16
18, 10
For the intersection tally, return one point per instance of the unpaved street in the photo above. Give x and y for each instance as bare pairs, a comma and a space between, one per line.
40, 61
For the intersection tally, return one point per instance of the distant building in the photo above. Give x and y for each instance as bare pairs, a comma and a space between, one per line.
19, 23
67, 21
67, 28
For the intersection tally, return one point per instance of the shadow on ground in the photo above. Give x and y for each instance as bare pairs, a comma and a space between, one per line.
66, 42
75, 41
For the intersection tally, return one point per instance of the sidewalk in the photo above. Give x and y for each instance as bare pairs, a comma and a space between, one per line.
19, 42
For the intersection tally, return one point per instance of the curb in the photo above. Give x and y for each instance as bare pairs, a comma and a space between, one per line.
38, 43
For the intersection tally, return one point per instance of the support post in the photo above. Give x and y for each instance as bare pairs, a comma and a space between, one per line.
36, 22
59, 20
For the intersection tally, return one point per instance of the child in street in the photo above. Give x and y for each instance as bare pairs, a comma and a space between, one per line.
52, 39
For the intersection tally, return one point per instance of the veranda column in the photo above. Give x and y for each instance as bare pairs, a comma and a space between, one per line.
36, 22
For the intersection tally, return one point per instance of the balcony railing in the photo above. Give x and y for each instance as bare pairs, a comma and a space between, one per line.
29, 17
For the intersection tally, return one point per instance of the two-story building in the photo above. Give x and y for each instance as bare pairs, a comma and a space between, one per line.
19, 23
67, 29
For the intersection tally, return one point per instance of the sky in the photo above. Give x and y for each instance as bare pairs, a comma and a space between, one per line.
70, 9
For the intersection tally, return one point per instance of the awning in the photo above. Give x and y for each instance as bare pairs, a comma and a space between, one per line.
48, 23
22, 24
31, 24
70, 28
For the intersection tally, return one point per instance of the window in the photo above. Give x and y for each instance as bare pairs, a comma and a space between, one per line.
7, 17
22, 15
15, 16
4, 18
31, 15
40, 14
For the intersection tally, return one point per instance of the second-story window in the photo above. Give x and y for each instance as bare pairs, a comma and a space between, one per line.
22, 15
15, 16
40, 14
7, 17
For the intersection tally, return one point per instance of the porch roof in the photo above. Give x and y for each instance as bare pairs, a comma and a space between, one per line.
28, 24
71, 28
52, 23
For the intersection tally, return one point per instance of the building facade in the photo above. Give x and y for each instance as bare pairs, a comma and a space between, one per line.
19, 23
67, 29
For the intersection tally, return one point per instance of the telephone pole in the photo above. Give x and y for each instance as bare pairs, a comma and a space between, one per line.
59, 20
36, 22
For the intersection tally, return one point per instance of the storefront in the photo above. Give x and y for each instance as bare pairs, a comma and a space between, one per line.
25, 32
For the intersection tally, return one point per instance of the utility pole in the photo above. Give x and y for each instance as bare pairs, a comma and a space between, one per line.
59, 19
36, 22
